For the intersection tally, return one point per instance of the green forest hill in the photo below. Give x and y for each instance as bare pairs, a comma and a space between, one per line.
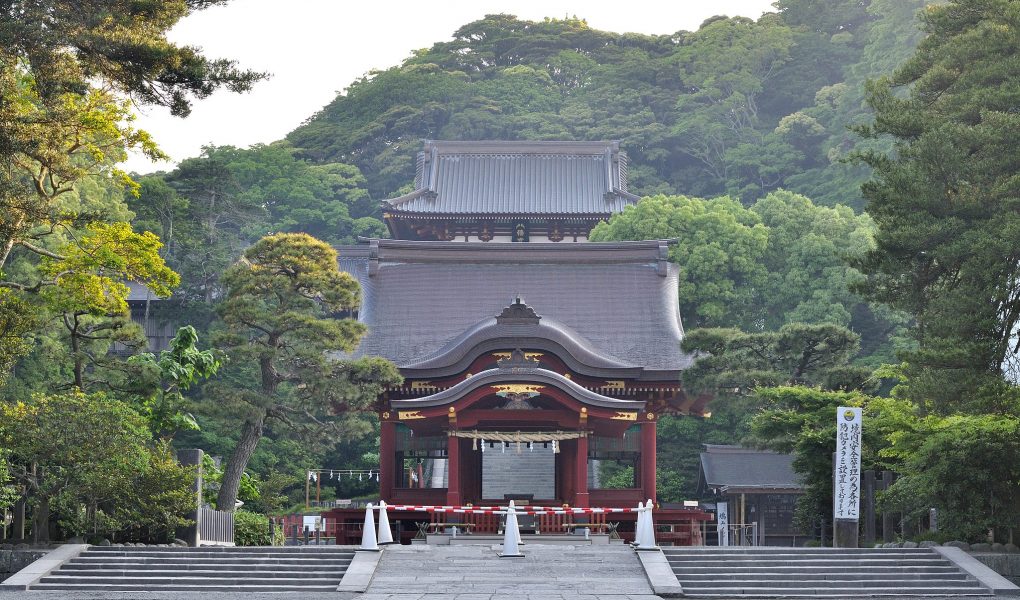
838, 174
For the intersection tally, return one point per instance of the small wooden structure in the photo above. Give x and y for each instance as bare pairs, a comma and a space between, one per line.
760, 488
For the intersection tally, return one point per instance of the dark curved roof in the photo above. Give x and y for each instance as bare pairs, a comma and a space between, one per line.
518, 178
523, 335
614, 304
736, 467
518, 375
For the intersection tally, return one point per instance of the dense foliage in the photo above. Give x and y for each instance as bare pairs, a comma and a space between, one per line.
280, 336
101, 474
251, 529
749, 140
739, 106
949, 238
68, 74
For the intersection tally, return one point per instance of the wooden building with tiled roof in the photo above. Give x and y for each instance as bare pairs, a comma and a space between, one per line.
512, 338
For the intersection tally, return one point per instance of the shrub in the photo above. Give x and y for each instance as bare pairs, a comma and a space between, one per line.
251, 529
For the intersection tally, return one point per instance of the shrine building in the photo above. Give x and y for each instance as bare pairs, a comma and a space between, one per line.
536, 363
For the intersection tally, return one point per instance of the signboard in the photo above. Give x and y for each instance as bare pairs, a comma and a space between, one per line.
722, 526
846, 497
314, 523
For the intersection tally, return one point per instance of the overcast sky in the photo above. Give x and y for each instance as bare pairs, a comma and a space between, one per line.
315, 48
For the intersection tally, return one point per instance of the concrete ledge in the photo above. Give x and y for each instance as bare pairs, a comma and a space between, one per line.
660, 574
34, 572
360, 572
997, 584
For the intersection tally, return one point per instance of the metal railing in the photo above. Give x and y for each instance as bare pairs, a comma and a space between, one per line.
740, 534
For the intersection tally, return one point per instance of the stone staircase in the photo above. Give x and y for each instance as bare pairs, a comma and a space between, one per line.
207, 569
818, 572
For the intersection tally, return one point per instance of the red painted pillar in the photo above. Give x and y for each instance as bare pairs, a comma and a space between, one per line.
581, 473
453, 470
648, 457
387, 456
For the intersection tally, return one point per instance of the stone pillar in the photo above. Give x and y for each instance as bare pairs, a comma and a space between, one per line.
18, 525
581, 473
888, 518
868, 500
648, 458
192, 458
453, 469
387, 456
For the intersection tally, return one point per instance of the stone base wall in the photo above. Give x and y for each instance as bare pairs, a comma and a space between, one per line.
12, 561
1003, 563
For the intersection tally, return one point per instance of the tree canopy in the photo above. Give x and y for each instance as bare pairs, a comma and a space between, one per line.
280, 336
947, 245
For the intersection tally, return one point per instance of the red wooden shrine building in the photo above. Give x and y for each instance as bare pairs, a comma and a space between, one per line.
535, 367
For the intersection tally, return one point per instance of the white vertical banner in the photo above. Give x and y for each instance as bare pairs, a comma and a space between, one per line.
722, 526
846, 497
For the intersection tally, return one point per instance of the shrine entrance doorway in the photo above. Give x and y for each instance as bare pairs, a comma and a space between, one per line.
524, 473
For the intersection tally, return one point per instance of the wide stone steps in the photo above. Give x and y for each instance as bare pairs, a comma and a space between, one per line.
258, 569
818, 572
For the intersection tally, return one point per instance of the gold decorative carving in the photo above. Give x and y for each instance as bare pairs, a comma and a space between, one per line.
386, 415
527, 355
651, 416
615, 384
624, 416
409, 415
517, 388
418, 386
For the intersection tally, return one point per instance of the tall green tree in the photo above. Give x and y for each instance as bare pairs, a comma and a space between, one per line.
69, 72
279, 331
66, 71
928, 452
88, 462
726, 65
719, 250
948, 243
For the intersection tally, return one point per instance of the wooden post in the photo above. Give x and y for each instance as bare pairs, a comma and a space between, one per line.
648, 457
581, 473
308, 484
387, 457
453, 469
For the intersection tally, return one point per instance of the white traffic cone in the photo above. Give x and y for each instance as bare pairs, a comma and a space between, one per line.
511, 535
368, 543
639, 526
385, 535
648, 537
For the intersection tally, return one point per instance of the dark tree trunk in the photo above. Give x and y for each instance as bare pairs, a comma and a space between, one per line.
251, 433
79, 363
41, 521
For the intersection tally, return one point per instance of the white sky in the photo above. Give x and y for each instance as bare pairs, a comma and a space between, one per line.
315, 48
